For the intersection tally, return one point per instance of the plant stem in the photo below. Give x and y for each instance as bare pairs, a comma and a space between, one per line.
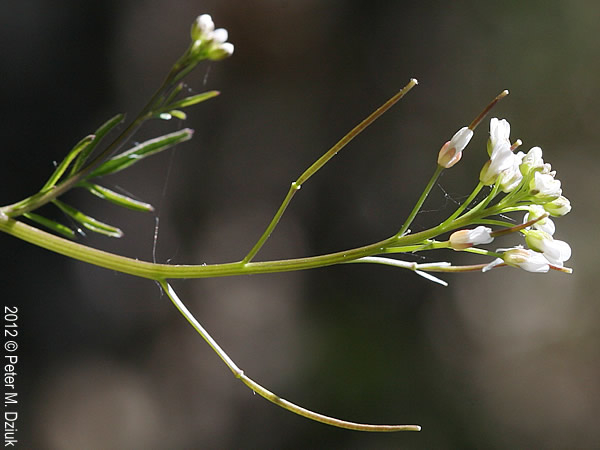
487, 109
43, 197
314, 168
421, 200
271, 227
265, 393
355, 132
465, 204
154, 271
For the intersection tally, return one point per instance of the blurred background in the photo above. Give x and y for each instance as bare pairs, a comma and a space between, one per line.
505, 359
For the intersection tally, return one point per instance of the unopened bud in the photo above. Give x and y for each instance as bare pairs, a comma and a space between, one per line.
202, 27
459, 240
220, 52
558, 207
526, 259
451, 151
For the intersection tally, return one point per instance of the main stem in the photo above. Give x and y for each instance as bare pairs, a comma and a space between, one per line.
154, 271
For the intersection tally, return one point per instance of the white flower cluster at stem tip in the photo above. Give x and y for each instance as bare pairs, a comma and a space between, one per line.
530, 185
209, 42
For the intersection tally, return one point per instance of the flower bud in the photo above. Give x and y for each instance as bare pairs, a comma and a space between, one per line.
511, 177
220, 36
532, 160
558, 207
500, 160
535, 240
222, 51
555, 251
499, 134
545, 224
459, 240
544, 187
451, 151
526, 259
208, 43
202, 27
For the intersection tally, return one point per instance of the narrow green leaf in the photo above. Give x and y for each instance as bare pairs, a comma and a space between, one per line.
51, 225
140, 151
116, 198
104, 129
60, 170
170, 110
192, 100
89, 222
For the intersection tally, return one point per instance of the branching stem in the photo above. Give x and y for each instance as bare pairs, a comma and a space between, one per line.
159, 272
419, 204
314, 168
43, 197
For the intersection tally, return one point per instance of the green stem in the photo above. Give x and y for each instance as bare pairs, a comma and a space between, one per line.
276, 218
265, 393
420, 202
355, 132
500, 223
314, 168
427, 245
482, 252
459, 269
465, 204
154, 271
476, 211
41, 198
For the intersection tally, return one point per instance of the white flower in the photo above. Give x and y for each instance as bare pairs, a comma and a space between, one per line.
501, 159
511, 177
546, 224
451, 151
558, 207
499, 134
523, 258
532, 160
544, 186
462, 239
555, 251
526, 259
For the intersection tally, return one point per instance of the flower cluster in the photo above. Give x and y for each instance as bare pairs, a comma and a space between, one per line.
208, 42
531, 186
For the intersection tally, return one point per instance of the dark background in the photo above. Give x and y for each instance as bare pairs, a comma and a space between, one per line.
505, 359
